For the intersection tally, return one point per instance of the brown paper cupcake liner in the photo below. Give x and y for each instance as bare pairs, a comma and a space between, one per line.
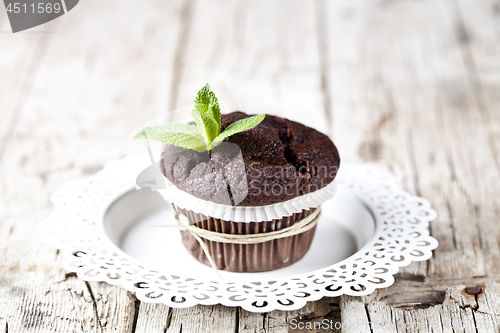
259, 257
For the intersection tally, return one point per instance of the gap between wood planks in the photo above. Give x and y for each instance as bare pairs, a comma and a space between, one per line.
94, 304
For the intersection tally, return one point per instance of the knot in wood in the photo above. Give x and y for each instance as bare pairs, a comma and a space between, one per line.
473, 291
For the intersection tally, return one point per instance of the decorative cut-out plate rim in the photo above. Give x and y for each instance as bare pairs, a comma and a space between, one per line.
401, 236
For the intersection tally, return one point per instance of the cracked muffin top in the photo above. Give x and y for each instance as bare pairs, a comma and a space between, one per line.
275, 161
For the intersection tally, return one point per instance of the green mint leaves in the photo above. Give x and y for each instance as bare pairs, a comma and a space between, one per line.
207, 102
206, 134
207, 126
239, 126
180, 135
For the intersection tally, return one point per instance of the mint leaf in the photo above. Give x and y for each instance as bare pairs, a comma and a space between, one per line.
239, 126
180, 135
207, 102
172, 128
206, 125
206, 134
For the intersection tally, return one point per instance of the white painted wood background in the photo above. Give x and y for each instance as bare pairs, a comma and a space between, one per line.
413, 85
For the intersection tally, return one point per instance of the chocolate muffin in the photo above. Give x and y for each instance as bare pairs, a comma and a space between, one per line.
283, 159
274, 162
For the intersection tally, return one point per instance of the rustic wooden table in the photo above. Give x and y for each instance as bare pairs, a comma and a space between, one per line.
411, 85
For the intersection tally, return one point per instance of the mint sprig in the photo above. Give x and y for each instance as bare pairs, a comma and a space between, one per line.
206, 134
207, 102
239, 126
181, 135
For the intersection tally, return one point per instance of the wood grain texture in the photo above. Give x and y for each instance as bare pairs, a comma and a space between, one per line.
413, 86
458, 312
84, 97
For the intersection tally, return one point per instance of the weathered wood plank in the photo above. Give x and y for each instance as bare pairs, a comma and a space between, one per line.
353, 314
41, 298
458, 312
367, 123
100, 78
319, 316
159, 318
212, 318
424, 70
381, 318
153, 318
427, 59
21, 56
254, 58
482, 50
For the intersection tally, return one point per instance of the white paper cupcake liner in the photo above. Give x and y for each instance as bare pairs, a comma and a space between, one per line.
247, 213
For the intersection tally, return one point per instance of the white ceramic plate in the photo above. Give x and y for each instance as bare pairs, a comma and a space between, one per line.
139, 224
109, 231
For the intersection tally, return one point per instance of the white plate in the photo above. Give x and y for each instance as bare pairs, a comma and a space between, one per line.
139, 223
108, 231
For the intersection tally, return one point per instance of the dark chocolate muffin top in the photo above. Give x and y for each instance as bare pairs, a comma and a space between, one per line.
275, 161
